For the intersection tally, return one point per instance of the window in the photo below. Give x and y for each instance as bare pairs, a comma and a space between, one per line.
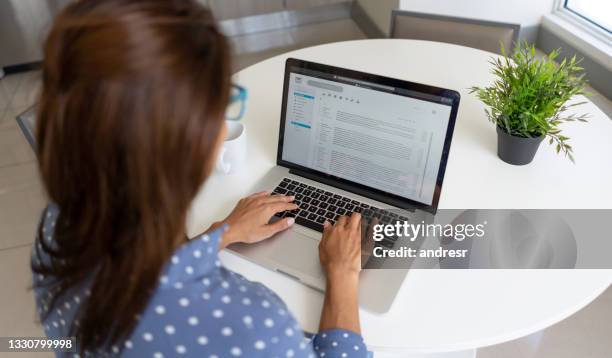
582, 26
596, 12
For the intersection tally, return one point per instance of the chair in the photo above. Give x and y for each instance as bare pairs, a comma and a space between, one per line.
480, 34
27, 123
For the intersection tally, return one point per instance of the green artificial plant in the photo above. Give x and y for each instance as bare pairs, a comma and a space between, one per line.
529, 95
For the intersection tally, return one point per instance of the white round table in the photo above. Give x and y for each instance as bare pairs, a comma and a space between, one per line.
437, 310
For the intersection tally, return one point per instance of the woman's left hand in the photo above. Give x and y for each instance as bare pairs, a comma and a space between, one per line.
249, 221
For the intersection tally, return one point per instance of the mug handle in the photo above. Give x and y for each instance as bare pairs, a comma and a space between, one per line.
222, 166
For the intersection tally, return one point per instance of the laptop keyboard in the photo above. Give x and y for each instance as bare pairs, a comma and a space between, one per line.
317, 205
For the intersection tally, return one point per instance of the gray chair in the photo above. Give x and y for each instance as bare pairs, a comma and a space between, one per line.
480, 34
27, 123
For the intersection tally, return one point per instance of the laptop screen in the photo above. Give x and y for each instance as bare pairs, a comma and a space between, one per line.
383, 137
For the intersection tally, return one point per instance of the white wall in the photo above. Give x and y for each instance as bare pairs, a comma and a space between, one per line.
527, 13
379, 11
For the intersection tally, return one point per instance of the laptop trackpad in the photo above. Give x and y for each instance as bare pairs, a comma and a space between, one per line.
298, 252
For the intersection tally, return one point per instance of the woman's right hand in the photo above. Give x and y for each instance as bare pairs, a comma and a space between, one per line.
340, 255
340, 247
249, 221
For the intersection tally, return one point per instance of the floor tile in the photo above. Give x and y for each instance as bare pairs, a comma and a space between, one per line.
5, 97
11, 83
14, 148
8, 117
17, 307
18, 177
27, 92
20, 210
5, 118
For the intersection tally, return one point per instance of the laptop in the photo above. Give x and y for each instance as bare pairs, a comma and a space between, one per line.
349, 142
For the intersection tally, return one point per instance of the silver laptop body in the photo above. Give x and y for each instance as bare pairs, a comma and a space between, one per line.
362, 142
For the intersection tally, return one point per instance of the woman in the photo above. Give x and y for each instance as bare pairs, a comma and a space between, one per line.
131, 119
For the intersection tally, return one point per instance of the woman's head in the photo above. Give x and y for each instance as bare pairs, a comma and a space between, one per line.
131, 112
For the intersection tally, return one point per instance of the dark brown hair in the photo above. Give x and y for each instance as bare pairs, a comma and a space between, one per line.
133, 101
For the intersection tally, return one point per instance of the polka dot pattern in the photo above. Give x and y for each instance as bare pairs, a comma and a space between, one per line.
200, 309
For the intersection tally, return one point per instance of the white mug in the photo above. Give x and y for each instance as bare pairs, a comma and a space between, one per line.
233, 153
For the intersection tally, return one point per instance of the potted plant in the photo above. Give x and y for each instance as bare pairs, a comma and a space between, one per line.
527, 101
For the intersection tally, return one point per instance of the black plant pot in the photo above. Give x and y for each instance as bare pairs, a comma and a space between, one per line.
516, 150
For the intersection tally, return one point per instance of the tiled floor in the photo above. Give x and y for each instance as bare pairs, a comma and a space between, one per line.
585, 334
21, 201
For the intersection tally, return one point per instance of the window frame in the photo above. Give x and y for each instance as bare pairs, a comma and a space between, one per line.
584, 17
581, 21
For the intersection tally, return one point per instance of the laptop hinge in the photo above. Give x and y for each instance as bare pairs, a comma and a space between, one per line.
352, 189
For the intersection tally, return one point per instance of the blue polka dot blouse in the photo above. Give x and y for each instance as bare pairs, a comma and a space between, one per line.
201, 309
